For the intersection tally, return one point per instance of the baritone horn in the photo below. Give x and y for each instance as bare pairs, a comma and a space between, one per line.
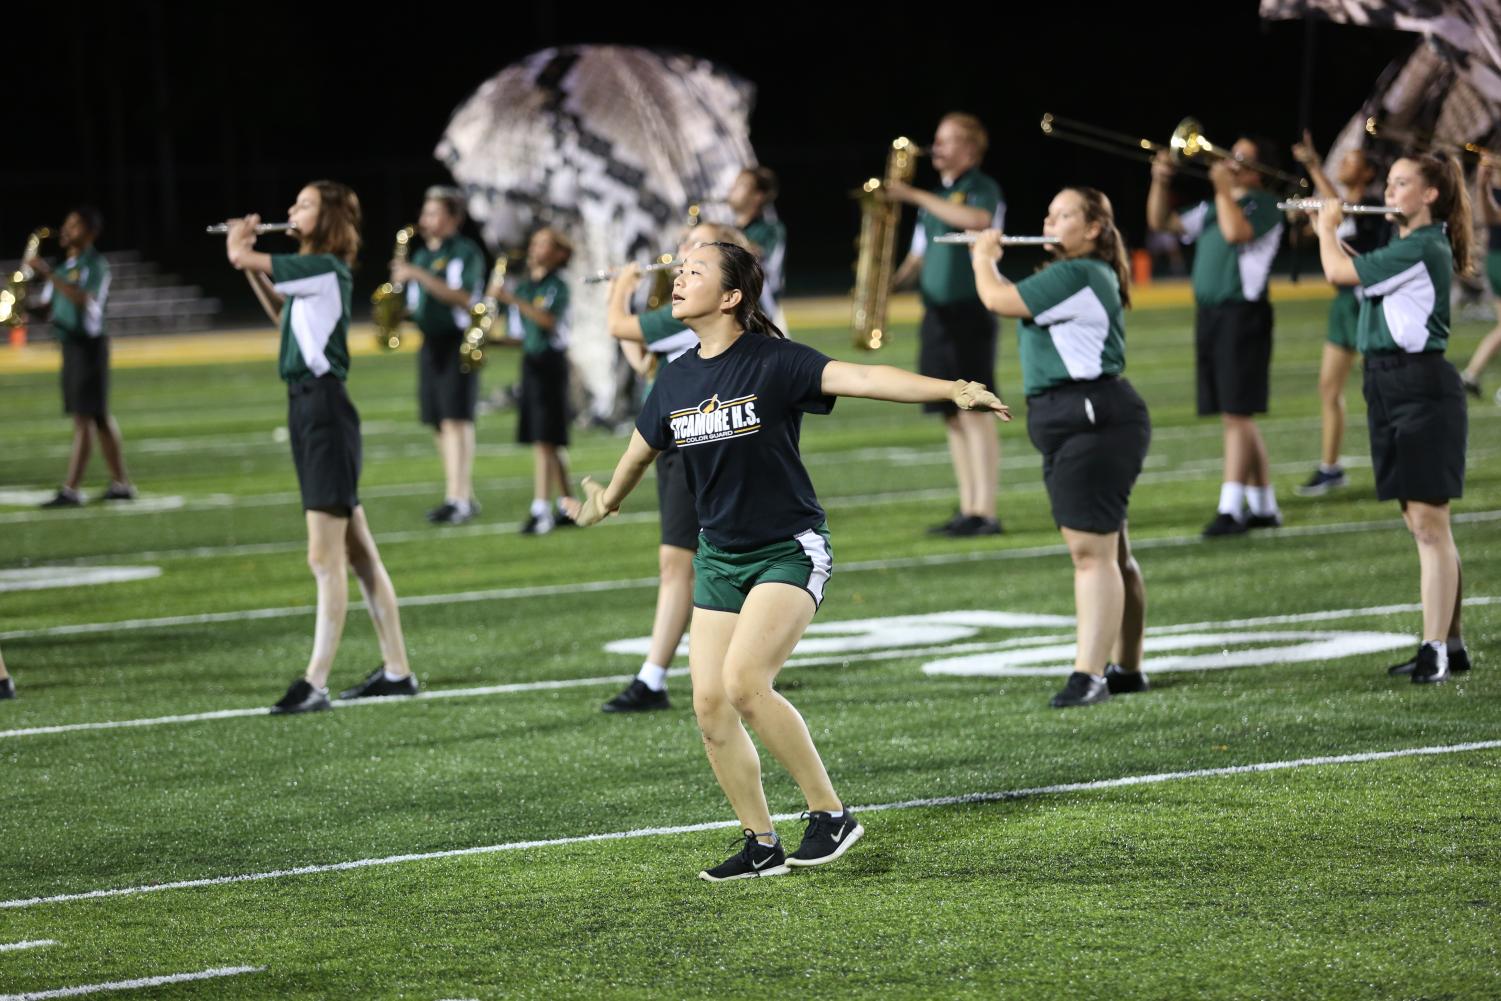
17, 285
879, 216
389, 302
482, 316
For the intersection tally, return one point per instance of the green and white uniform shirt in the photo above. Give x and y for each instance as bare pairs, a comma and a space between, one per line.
1233, 272
551, 294
664, 335
1406, 305
461, 265
1077, 331
947, 275
90, 272
315, 320
770, 237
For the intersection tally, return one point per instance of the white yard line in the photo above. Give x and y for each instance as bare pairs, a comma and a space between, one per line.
39, 943
133, 985
910, 804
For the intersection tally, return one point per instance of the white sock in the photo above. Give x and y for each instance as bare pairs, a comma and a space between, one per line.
386, 673
1233, 500
653, 676
1443, 652
462, 506
836, 816
539, 507
1262, 500
1336, 468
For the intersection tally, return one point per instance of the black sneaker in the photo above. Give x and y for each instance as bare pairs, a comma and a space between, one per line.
64, 498
7, 688
1273, 520
948, 526
560, 518
1426, 668
537, 524
638, 697
974, 525
755, 859
376, 684
302, 697
443, 513
119, 491
1081, 690
1224, 524
1470, 383
825, 838
1459, 661
1320, 483
1123, 682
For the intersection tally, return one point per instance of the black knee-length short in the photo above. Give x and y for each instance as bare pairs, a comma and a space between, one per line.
544, 399
1415, 409
1093, 437
1233, 357
325, 431
445, 392
86, 376
957, 342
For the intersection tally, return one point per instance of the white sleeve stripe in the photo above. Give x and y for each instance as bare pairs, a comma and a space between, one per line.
1079, 327
316, 310
93, 314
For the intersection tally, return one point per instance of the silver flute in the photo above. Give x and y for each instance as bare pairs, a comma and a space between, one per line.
1006, 241
610, 274
1314, 204
220, 228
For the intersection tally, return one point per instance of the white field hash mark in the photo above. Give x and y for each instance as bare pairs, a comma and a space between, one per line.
33, 944
647, 832
131, 985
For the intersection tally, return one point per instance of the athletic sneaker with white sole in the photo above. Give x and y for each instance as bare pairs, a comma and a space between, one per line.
753, 860
825, 838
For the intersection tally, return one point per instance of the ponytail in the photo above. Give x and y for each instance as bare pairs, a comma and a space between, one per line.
1452, 206
1109, 246
739, 269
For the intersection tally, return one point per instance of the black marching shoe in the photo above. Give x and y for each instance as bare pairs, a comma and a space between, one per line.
302, 697
1321, 482
638, 697
1428, 669
947, 527
7, 688
1459, 661
443, 513
376, 684
119, 491
825, 838
1081, 690
1222, 525
64, 498
560, 518
1273, 520
1123, 682
974, 526
754, 859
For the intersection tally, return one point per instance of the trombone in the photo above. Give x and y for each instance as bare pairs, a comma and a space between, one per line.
972, 237
220, 228
1314, 204
610, 274
1186, 144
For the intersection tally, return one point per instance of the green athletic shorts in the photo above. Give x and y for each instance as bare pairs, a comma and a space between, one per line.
1344, 316
722, 579
1493, 269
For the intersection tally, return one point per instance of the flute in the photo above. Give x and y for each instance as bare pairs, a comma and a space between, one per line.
221, 228
609, 274
1006, 241
1314, 204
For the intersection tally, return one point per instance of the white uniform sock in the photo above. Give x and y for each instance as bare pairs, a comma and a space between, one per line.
1233, 500
539, 507
1336, 468
1442, 649
653, 676
1262, 500
386, 673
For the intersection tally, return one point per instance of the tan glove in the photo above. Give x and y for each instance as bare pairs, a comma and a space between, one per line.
974, 396
592, 510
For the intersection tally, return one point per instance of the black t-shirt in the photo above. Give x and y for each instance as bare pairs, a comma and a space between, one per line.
735, 418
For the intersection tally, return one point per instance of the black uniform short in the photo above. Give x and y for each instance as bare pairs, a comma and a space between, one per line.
325, 432
86, 376
444, 391
544, 398
1415, 409
675, 502
1233, 357
956, 342
1093, 437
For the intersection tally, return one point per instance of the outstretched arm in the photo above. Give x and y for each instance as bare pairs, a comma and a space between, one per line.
600, 502
883, 382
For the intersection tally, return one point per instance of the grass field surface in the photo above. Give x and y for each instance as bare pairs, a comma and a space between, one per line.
1275, 819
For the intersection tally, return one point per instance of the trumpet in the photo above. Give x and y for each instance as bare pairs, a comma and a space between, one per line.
482, 316
1314, 204
610, 274
220, 228
13, 295
389, 302
972, 237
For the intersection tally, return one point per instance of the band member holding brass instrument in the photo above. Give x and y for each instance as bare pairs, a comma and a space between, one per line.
958, 334
78, 289
1490, 211
308, 294
734, 409
446, 275
1415, 403
666, 338
1237, 233
752, 198
1087, 421
539, 321
1361, 233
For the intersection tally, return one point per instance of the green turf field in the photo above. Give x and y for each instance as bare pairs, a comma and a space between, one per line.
502, 838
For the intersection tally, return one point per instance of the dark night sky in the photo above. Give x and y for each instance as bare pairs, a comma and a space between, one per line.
259, 99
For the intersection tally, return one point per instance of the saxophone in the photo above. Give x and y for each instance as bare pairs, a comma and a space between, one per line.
13, 296
879, 217
482, 317
390, 300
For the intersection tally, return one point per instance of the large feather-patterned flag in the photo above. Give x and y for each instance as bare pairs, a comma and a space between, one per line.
1449, 88
610, 143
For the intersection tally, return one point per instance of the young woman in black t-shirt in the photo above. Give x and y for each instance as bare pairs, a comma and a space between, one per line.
733, 407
